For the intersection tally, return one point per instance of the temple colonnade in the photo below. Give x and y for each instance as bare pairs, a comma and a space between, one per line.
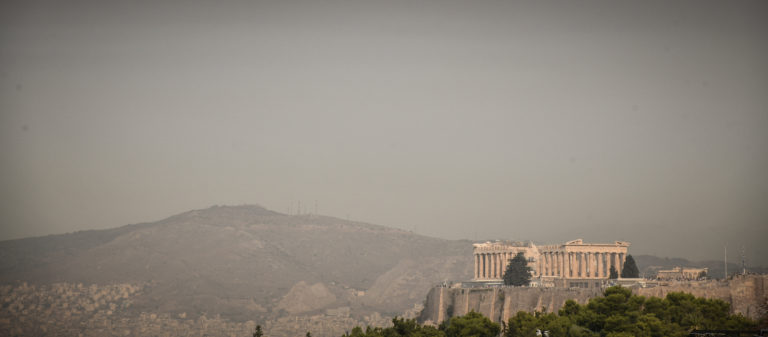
572, 260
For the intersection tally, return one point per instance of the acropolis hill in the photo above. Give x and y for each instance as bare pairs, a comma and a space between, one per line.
571, 271
744, 293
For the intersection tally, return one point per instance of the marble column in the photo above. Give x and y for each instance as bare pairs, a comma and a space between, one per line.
495, 265
475, 271
548, 263
574, 266
579, 263
543, 263
564, 269
582, 266
490, 265
503, 263
616, 263
554, 263
486, 266
538, 265
622, 258
479, 265
499, 263
494, 261
599, 265
564, 265
482, 265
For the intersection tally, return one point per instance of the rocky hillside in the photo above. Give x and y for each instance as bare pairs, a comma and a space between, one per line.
246, 263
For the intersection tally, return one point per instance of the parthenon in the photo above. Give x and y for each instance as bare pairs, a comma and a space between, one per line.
573, 260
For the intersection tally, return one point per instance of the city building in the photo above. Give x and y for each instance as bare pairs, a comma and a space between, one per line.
681, 273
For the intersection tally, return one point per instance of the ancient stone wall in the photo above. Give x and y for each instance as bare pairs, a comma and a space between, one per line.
744, 293
497, 303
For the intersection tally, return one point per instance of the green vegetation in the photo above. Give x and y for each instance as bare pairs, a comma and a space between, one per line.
518, 273
630, 268
617, 314
613, 273
472, 324
258, 332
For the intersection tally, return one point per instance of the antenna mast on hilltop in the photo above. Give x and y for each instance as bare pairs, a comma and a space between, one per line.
743, 261
726, 261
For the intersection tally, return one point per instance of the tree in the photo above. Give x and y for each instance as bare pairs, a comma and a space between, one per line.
472, 324
257, 332
763, 310
614, 274
618, 313
518, 273
309, 334
630, 268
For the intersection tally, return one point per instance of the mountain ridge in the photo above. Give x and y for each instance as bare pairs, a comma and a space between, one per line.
241, 261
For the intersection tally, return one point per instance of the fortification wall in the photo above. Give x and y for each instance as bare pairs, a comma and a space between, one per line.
744, 293
497, 303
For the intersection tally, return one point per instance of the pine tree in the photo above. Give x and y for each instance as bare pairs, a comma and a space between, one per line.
258, 332
614, 274
309, 334
518, 273
630, 268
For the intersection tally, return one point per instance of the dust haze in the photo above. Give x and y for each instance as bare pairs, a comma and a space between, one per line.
645, 121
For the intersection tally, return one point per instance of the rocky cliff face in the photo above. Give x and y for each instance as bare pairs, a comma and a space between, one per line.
497, 303
744, 293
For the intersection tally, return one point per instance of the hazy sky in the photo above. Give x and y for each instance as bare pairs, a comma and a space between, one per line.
641, 121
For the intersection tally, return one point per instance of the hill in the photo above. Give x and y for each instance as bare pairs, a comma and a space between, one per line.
649, 265
246, 263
